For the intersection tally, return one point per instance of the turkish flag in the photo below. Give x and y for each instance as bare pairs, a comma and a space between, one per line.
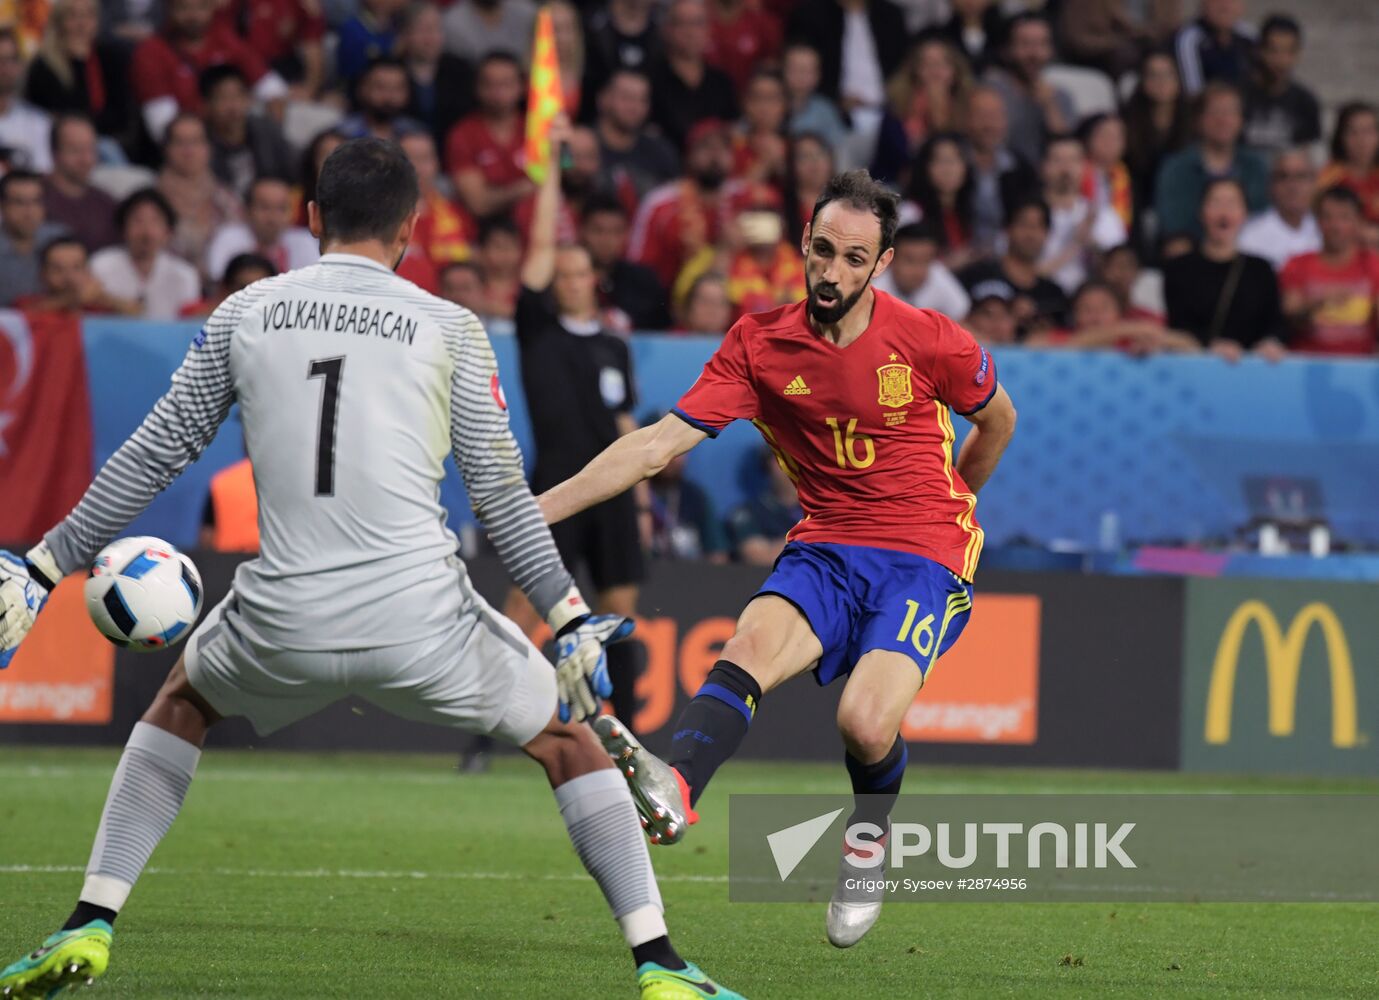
45, 422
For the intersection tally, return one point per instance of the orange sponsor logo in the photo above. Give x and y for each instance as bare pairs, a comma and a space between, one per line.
65, 670
986, 688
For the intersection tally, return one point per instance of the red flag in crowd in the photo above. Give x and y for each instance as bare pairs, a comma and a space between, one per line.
45, 422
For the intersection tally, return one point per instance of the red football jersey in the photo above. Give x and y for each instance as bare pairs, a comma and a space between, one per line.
864, 430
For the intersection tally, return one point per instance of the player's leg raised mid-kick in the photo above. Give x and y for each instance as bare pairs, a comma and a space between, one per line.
853, 390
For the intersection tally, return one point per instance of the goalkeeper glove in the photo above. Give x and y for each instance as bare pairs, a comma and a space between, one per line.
24, 588
581, 669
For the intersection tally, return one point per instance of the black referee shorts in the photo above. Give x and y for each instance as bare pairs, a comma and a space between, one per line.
605, 539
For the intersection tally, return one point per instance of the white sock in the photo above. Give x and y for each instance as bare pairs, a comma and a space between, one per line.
145, 796
598, 811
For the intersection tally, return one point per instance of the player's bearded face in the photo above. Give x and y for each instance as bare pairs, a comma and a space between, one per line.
827, 301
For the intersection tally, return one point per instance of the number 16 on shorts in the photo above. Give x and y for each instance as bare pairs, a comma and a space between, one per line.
929, 628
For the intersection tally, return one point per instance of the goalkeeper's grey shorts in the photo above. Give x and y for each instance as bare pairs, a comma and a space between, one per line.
481, 675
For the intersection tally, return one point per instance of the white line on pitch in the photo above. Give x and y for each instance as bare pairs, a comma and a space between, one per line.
345, 873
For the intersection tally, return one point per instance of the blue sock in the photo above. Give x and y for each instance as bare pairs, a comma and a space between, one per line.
875, 787
711, 728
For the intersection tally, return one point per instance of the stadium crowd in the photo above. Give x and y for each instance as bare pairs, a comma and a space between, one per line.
1137, 175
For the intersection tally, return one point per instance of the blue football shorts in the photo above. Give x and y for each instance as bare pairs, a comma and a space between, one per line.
857, 598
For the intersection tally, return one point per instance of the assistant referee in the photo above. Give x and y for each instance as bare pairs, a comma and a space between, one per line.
578, 382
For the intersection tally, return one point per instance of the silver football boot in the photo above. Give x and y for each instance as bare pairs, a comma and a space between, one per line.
660, 794
856, 902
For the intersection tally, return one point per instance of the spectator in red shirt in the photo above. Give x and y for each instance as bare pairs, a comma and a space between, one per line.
68, 286
167, 66
1331, 297
679, 219
742, 35
287, 34
484, 151
759, 145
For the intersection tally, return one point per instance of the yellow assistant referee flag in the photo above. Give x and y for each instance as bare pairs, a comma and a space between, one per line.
544, 98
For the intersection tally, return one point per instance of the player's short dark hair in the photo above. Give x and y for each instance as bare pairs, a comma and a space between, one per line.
145, 196
495, 224
62, 120
858, 189
213, 76
17, 177
1025, 204
923, 231
366, 191
241, 262
1280, 24
57, 243
1339, 194
602, 204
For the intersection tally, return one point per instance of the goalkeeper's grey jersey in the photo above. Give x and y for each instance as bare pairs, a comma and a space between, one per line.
353, 384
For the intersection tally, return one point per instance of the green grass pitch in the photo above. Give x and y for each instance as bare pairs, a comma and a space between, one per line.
305, 876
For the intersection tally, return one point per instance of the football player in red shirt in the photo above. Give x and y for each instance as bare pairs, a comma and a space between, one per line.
852, 389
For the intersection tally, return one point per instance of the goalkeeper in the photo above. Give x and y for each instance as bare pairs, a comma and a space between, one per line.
352, 385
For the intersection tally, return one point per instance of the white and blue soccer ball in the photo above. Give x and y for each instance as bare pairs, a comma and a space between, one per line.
143, 594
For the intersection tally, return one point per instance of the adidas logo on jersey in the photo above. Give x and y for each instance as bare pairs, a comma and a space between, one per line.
797, 387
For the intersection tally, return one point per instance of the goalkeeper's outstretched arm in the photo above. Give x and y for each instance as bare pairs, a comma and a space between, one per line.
624, 463
180, 426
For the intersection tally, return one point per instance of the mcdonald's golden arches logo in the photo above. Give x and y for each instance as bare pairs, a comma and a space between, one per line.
1283, 651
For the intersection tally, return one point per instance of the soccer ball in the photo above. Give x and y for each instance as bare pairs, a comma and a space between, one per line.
143, 594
